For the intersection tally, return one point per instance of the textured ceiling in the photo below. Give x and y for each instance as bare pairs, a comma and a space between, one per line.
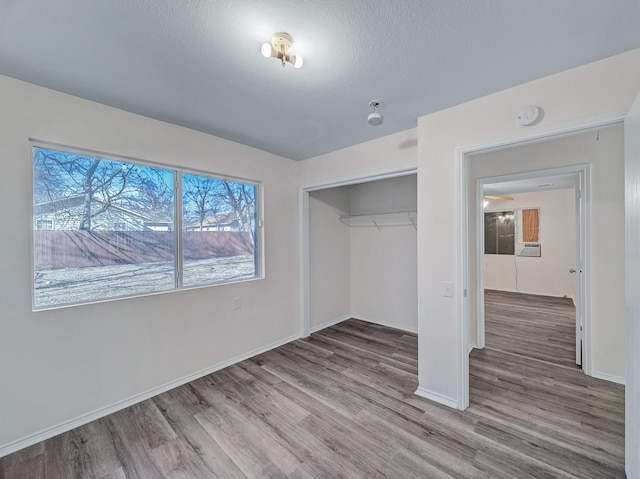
197, 63
531, 185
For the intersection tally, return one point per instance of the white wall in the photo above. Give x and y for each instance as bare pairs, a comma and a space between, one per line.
383, 196
549, 274
606, 87
384, 262
384, 276
388, 154
58, 365
329, 257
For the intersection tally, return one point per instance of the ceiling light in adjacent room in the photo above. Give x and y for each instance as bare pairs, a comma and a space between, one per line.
279, 48
375, 118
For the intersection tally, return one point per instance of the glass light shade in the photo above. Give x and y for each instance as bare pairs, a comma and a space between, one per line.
265, 49
297, 61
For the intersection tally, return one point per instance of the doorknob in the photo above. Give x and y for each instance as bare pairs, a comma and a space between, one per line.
572, 270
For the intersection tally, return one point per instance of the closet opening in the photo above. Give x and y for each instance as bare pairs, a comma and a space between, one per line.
359, 247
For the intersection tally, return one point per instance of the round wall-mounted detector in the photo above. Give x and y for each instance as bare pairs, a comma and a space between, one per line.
375, 118
527, 116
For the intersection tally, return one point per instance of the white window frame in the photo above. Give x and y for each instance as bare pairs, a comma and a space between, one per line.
260, 274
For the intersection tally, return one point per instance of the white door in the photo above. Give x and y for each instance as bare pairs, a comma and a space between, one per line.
632, 289
579, 266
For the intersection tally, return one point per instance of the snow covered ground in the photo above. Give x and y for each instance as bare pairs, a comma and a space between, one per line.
76, 285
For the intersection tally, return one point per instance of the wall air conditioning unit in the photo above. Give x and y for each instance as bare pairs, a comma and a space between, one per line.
528, 249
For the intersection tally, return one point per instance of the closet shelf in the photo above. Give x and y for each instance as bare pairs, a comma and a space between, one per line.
380, 220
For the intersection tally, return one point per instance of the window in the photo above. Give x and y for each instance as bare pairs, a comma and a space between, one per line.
107, 228
499, 233
44, 224
218, 215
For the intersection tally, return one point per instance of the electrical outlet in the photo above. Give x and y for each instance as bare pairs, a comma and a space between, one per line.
237, 302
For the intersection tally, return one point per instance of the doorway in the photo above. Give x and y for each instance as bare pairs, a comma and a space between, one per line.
599, 145
530, 252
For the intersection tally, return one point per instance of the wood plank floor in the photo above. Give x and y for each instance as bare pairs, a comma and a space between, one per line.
540, 327
340, 404
526, 383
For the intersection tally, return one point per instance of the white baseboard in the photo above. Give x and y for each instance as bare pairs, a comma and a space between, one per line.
330, 323
608, 377
385, 323
439, 398
65, 426
362, 318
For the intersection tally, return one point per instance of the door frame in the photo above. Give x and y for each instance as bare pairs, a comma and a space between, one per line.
304, 239
632, 281
464, 155
582, 183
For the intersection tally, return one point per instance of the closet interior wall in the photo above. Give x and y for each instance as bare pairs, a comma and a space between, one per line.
364, 272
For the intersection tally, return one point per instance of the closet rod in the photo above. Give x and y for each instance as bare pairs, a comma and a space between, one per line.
394, 218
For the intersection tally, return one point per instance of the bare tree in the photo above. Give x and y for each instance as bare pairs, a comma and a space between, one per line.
241, 199
200, 196
155, 195
98, 184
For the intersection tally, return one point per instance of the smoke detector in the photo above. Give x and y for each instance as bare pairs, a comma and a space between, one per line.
527, 116
375, 118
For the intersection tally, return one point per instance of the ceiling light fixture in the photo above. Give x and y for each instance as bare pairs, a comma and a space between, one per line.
279, 48
375, 118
